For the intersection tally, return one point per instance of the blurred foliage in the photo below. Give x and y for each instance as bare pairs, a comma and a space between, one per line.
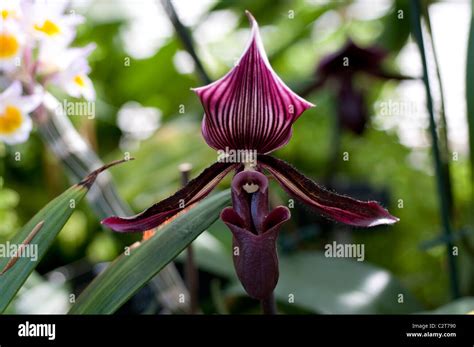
295, 45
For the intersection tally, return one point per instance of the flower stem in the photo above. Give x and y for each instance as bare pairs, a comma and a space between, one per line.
191, 273
443, 191
269, 305
443, 126
186, 39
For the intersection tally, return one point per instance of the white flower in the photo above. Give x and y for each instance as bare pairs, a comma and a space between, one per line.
138, 122
11, 45
69, 69
15, 123
47, 21
10, 10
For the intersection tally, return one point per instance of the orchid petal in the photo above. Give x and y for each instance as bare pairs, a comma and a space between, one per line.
160, 212
250, 107
337, 207
256, 261
255, 230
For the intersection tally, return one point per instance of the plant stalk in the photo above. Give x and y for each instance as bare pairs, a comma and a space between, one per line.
186, 39
269, 305
440, 173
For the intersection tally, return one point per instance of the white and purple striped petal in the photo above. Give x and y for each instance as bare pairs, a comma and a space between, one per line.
250, 108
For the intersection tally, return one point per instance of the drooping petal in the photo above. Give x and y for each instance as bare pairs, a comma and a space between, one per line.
255, 256
334, 206
250, 107
155, 215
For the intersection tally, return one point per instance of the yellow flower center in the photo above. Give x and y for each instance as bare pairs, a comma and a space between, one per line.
79, 80
49, 28
8, 45
6, 14
10, 120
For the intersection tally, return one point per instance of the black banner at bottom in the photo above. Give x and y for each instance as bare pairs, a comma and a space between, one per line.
386, 330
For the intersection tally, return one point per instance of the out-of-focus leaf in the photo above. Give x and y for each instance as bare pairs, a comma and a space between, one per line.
40, 233
459, 306
396, 26
470, 90
212, 256
128, 273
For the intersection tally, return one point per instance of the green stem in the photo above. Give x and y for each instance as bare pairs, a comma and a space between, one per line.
186, 39
443, 126
470, 99
440, 179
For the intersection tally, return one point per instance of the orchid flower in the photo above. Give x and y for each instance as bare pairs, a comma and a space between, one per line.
35, 37
68, 69
12, 42
15, 122
10, 9
251, 110
340, 69
48, 22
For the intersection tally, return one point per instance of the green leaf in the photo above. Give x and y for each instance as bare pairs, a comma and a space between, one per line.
39, 232
459, 306
470, 92
336, 285
396, 26
128, 273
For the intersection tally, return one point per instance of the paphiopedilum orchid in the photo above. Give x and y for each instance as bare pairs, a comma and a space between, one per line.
340, 70
250, 110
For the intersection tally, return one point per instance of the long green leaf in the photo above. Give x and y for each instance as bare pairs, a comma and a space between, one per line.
39, 233
128, 273
470, 94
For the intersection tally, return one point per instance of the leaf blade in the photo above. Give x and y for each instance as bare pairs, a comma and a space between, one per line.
55, 214
127, 274
51, 218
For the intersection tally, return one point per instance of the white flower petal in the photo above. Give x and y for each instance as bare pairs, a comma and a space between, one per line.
88, 90
13, 91
30, 103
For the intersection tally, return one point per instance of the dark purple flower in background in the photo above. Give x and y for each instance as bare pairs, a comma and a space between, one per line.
340, 69
251, 110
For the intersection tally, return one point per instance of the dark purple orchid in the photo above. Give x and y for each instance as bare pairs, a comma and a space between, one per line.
340, 69
251, 110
